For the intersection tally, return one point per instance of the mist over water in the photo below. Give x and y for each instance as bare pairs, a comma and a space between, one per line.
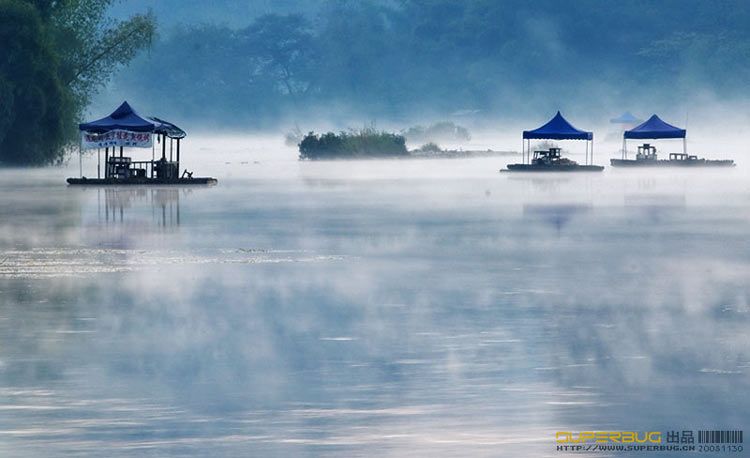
384, 307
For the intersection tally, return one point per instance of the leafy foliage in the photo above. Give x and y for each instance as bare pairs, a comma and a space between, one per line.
430, 147
91, 46
34, 101
407, 58
278, 47
362, 143
54, 56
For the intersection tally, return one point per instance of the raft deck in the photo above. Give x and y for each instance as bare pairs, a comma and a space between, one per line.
552, 168
671, 163
139, 181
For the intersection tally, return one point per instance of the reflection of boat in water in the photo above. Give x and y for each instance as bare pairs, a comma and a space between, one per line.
557, 215
163, 202
549, 182
647, 157
551, 161
655, 206
665, 201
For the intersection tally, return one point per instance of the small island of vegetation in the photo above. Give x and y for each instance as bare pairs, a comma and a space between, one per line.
354, 144
371, 143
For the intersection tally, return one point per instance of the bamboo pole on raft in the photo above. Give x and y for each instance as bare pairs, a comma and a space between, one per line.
80, 156
587, 152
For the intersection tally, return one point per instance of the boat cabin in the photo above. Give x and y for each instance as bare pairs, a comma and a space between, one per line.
547, 157
646, 152
681, 157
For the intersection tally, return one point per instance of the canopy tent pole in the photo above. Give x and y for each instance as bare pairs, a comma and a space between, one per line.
80, 156
587, 152
106, 162
121, 152
178, 155
171, 147
163, 147
98, 162
528, 150
153, 152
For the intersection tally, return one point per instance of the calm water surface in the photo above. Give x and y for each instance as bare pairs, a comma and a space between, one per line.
382, 308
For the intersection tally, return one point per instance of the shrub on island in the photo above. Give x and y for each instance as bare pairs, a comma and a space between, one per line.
354, 144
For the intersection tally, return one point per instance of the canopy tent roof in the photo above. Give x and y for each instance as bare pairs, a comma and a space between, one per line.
625, 118
655, 128
558, 128
167, 128
126, 118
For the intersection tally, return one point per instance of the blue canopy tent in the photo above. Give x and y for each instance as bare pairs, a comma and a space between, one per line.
654, 128
123, 118
126, 120
557, 128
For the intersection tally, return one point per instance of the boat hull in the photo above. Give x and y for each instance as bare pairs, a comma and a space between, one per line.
140, 181
668, 163
553, 168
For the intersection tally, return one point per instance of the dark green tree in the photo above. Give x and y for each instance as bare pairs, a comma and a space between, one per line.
92, 47
280, 48
55, 54
34, 103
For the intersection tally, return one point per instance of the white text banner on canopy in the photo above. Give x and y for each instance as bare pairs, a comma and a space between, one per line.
116, 138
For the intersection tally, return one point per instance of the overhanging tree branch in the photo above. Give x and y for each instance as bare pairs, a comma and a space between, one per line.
101, 55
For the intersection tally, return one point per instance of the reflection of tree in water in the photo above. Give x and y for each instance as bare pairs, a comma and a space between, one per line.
29, 216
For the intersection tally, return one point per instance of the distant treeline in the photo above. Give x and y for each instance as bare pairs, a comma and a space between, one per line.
415, 58
354, 144
372, 143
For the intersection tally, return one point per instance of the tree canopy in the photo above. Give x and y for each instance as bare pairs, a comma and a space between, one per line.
55, 56
398, 58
